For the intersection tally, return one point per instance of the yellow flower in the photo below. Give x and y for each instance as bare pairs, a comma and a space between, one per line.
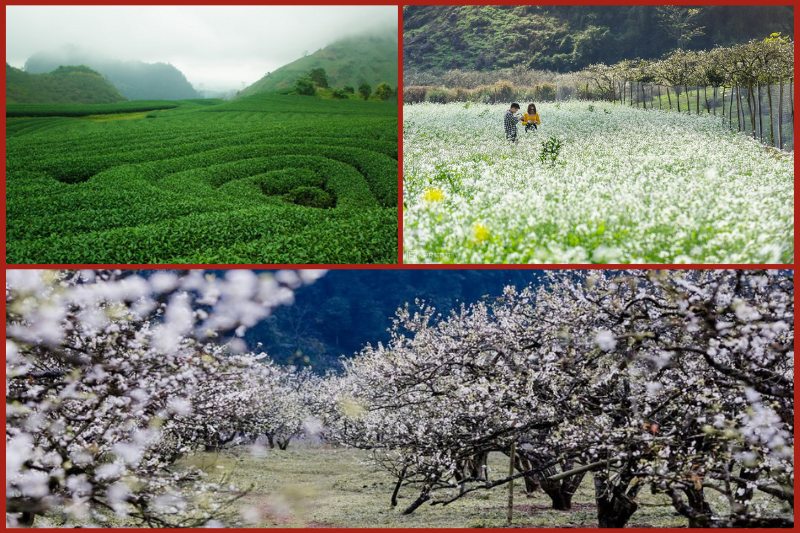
433, 195
481, 232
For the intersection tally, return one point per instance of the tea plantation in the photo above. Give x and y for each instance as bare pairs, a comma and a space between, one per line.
263, 179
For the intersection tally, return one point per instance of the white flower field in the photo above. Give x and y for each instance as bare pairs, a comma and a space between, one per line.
627, 186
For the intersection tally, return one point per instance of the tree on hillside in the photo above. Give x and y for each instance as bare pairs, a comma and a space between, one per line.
348, 89
319, 76
364, 90
305, 87
681, 23
384, 91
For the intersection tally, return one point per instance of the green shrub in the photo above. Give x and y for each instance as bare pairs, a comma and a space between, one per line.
365, 90
439, 95
545, 92
305, 87
413, 95
384, 91
551, 148
311, 197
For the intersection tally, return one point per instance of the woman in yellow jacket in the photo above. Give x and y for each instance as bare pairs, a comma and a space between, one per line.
531, 118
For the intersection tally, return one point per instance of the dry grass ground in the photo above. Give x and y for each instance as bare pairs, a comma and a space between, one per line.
320, 486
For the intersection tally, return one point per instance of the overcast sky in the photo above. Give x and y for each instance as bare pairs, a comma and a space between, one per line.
216, 47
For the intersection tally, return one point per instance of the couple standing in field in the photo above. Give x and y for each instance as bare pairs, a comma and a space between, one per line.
531, 120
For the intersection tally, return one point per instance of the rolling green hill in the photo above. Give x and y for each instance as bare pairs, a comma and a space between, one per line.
136, 80
351, 61
568, 38
65, 85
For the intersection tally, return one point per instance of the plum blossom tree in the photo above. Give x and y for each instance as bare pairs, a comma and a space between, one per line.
677, 381
111, 376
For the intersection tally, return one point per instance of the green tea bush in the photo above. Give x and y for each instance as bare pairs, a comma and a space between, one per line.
311, 197
248, 181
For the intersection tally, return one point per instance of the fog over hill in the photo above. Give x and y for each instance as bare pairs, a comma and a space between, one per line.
136, 80
365, 58
68, 85
216, 48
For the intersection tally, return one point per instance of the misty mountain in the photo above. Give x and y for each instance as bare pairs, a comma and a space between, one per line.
64, 85
349, 61
136, 80
568, 38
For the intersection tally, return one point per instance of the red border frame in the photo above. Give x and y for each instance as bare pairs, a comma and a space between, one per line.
400, 264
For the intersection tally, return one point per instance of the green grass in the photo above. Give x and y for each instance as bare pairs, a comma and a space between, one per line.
320, 486
314, 485
264, 179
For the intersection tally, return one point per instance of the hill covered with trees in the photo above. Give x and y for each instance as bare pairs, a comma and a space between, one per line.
64, 85
136, 80
346, 309
353, 61
568, 38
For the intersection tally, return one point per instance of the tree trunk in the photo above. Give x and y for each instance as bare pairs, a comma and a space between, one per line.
705, 95
644, 95
271, 441
697, 99
714, 98
669, 98
678, 99
771, 118
722, 111
659, 98
696, 510
399, 484
531, 481
560, 500
614, 507
511, 455
752, 109
780, 115
730, 109
739, 107
688, 102
561, 492
702, 511
760, 113
744, 494
26, 519
422, 498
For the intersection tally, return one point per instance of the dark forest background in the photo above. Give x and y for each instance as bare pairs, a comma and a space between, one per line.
568, 38
346, 309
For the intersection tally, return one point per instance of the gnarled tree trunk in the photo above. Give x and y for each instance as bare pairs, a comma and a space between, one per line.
614, 506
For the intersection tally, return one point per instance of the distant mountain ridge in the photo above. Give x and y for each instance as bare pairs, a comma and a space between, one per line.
136, 80
570, 37
347, 62
64, 85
